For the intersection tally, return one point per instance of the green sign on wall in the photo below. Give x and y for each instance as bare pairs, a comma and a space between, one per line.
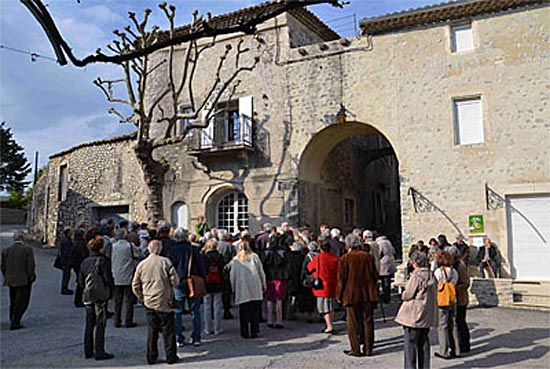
476, 224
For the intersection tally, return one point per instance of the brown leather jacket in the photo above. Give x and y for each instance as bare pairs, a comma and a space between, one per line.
356, 278
463, 284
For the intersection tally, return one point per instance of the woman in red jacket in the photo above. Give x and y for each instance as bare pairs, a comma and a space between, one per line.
325, 266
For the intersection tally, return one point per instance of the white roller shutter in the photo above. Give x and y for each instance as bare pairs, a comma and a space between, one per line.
469, 122
462, 38
529, 230
245, 119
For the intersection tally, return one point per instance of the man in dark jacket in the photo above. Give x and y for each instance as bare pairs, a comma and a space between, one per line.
487, 258
66, 252
96, 300
356, 290
336, 247
18, 270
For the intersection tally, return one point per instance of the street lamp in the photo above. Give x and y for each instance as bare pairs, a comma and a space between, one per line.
341, 115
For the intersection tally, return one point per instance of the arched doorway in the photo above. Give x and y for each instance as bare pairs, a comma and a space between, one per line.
180, 215
232, 211
349, 177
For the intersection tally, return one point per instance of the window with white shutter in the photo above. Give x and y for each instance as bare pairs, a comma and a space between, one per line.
207, 136
245, 114
462, 38
468, 121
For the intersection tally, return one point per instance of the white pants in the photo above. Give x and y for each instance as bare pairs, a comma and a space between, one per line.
215, 300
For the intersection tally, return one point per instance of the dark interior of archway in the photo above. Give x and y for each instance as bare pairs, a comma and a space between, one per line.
359, 188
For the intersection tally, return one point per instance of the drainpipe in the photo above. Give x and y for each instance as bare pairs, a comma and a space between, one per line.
45, 239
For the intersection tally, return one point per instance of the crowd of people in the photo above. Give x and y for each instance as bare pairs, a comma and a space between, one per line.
273, 276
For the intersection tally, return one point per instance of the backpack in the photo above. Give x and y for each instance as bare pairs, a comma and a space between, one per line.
446, 292
95, 289
213, 276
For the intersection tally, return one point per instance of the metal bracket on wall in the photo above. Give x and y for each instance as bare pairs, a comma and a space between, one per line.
493, 201
423, 205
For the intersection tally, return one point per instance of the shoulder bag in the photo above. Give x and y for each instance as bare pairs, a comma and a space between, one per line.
446, 292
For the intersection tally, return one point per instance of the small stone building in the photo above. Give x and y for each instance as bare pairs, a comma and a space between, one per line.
434, 120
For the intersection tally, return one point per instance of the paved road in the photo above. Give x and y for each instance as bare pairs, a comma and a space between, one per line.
502, 338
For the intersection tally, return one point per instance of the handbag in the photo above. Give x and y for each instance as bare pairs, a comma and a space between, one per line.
446, 292
57, 264
318, 282
195, 283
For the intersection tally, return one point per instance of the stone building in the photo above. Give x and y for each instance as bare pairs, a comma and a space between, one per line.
434, 120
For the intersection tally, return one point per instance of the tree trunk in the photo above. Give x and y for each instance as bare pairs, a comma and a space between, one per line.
153, 173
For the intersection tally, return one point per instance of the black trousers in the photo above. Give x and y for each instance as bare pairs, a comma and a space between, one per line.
96, 317
78, 290
249, 318
386, 288
417, 348
463, 330
19, 302
226, 297
123, 295
66, 277
160, 322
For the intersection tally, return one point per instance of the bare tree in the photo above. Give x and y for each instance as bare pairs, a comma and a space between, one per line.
134, 50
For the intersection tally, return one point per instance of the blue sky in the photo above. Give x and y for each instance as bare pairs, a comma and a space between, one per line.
51, 108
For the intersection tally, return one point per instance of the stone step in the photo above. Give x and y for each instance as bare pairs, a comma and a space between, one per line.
530, 306
542, 299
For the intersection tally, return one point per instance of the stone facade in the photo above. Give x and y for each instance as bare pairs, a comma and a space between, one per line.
399, 87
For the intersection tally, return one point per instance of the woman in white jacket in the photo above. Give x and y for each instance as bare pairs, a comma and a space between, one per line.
248, 281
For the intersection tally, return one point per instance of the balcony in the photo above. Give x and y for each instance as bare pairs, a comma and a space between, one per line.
200, 142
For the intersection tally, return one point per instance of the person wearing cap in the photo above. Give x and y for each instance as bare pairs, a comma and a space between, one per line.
18, 269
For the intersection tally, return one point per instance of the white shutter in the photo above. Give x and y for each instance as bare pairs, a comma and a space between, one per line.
245, 119
207, 134
469, 122
463, 38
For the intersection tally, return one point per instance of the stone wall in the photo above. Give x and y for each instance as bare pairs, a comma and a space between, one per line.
99, 175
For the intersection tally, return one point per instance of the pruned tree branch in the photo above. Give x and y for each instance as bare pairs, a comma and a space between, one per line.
201, 29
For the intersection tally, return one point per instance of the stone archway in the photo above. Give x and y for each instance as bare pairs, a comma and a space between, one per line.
349, 177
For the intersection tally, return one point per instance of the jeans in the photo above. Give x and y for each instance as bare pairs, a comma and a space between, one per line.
212, 300
19, 302
78, 289
179, 296
249, 318
124, 295
195, 307
96, 317
160, 322
417, 348
448, 332
463, 330
226, 297
493, 265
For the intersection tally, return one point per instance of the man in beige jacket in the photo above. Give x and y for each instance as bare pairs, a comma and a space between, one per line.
152, 284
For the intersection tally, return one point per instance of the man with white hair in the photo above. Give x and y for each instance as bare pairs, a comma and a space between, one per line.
18, 270
336, 247
155, 276
124, 258
371, 246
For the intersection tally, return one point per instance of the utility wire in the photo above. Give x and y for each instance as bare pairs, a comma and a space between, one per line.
34, 56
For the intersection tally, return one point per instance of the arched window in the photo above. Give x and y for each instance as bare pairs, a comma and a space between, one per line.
232, 212
180, 215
